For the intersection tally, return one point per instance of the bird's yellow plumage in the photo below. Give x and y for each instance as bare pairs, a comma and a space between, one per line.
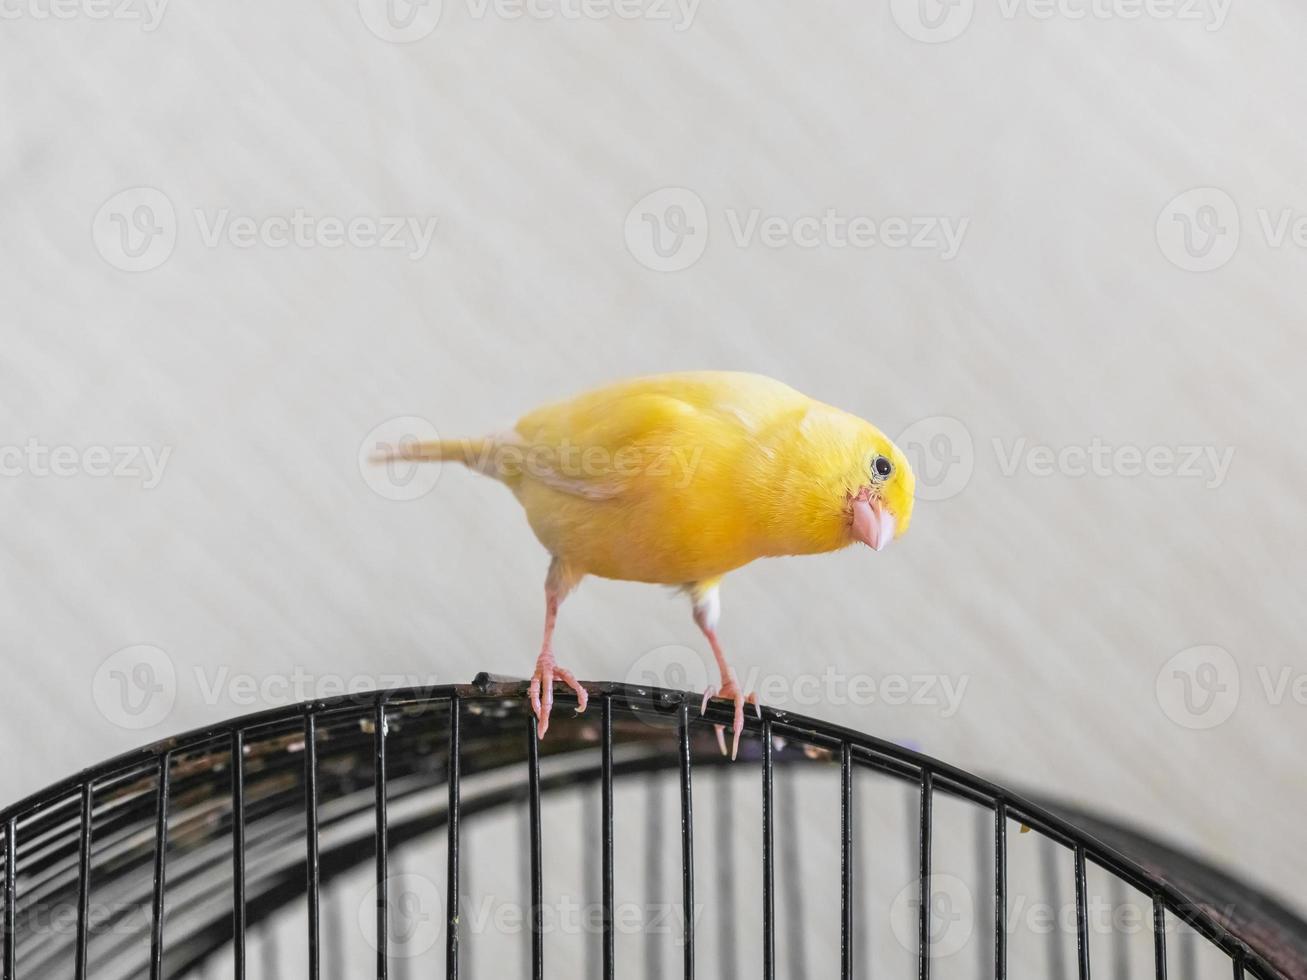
679, 478
693, 475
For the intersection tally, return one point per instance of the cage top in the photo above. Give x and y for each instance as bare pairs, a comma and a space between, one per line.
1247, 945
881, 753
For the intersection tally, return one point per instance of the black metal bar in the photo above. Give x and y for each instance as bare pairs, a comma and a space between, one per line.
451, 885
768, 858
11, 895
1159, 938
160, 867
687, 842
312, 872
923, 856
1236, 966
1082, 915
846, 861
1000, 890
606, 795
537, 877
84, 882
383, 855
238, 852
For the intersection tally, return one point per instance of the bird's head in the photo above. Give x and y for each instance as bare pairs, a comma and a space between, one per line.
879, 487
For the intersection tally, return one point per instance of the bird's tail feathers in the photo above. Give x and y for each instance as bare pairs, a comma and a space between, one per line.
476, 454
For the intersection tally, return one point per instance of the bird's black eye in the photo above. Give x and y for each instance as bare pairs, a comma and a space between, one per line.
882, 467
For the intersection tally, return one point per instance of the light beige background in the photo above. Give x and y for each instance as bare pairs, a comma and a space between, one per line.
264, 566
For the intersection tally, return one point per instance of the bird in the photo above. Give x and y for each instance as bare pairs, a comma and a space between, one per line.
678, 479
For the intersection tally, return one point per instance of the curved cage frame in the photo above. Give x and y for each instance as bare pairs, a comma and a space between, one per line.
50, 838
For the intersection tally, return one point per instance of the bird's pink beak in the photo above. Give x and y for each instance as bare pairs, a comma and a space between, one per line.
873, 525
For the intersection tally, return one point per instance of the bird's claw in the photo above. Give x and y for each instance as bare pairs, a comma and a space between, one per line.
541, 691
731, 692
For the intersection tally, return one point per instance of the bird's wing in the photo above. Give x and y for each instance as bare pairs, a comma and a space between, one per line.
597, 448
609, 442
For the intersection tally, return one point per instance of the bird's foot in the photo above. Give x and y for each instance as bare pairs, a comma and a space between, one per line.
541, 691
730, 691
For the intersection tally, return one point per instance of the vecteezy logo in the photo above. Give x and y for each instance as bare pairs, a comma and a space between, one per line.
673, 666
933, 21
676, 667
942, 455
667, 231
1199, 230
414, 915
1199, 687
136, 229
950, 920
400, 21
398, 479
136, 687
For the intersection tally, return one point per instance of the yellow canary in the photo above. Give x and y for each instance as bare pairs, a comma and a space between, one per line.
679, 478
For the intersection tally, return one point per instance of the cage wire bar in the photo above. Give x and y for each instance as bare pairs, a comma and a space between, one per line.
853, 751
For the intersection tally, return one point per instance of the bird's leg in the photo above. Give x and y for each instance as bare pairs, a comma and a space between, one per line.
541, 691
706, 609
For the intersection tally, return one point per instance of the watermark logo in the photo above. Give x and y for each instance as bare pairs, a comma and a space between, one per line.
1211, 14
400, 21
942, 454
40, 460
676, 667
147, 13
136, 229
406, 21
679, 13
220, 685
950, 919
682, 668
569, 917
410, 234
1284, 683
399, 479
933, 21
1198, 688
1202, 229
939, 21
1210, 464
672, 667
415, 917
1199, 230
595, 471
667, 231
832, 229
136, 687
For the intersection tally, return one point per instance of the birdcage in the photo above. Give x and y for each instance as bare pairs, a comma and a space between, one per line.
428, 833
